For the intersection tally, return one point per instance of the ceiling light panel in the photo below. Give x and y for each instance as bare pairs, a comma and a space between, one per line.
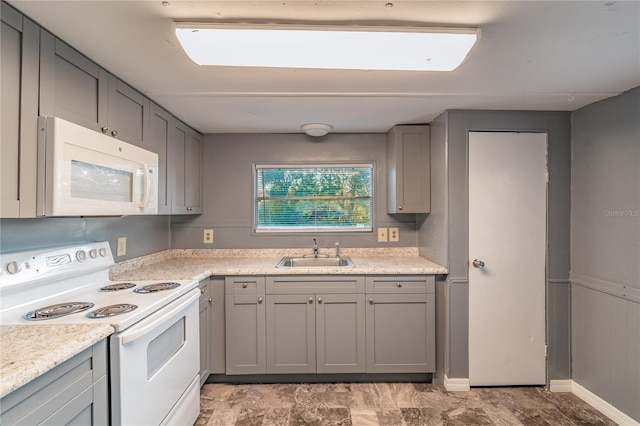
321, 47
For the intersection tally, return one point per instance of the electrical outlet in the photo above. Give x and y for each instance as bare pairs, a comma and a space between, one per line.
207, 236
394, 235
382, 235
122, 246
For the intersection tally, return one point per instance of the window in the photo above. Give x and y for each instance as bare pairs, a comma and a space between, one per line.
314, 198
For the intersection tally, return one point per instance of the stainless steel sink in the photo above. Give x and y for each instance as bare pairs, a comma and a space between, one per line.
315, 262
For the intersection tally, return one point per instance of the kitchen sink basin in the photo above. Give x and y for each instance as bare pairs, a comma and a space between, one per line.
315, 262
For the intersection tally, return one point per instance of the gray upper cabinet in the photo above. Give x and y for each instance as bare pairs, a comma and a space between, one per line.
245, 328
75, 88
19, 111
160, 127
400, 324
185, 170
71, 86
128, 117
408, 170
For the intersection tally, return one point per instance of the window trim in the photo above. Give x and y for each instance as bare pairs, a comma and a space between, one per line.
299, 164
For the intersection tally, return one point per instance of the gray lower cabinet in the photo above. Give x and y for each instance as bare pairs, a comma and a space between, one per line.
74, 392
312, 330
205, 330
400, 324
245, 325
19, 72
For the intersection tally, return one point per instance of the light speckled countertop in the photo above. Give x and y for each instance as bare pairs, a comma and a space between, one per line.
28, 351
200, 264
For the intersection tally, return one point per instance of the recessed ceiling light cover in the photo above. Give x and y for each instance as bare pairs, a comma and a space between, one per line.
322, 47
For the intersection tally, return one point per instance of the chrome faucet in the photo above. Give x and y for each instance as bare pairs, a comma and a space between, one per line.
315, 248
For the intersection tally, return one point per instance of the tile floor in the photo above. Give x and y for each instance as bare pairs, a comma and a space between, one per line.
405, 404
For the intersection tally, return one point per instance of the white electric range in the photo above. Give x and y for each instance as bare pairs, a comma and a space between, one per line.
154, 353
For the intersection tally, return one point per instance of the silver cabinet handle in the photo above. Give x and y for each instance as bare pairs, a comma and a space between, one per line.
114, 133
399, 285
259, 299
371, 301
104, 129
202, 290
244, 285
310, 300
477, 263
319, 299
210, 300
399, 207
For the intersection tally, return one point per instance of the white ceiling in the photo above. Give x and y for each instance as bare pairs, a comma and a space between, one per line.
532, 55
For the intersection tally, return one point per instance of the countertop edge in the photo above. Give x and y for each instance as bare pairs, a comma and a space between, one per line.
17, 369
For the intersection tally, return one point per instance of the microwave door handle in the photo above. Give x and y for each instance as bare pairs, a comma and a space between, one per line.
147, 186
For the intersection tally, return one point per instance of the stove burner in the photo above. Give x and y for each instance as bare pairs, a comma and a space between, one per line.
117, 287
152, 288
111, 310
56, 311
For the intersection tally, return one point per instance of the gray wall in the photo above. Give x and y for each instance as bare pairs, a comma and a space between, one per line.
145, 234
228, 190
450, 142
605, 253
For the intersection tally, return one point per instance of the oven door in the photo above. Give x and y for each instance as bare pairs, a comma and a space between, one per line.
153, 364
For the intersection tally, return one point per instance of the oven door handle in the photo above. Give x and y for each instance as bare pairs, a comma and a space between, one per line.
142, 331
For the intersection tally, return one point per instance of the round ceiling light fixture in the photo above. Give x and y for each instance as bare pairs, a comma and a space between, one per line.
316, 129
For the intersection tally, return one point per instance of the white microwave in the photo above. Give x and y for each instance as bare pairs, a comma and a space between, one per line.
82, 172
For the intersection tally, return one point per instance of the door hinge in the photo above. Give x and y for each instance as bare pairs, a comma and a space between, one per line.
546, 351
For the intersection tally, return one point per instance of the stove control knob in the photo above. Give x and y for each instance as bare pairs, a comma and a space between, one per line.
93, 253
103, 252
81, 255
13, 267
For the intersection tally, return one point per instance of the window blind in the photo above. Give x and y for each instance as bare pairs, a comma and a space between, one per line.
318, 198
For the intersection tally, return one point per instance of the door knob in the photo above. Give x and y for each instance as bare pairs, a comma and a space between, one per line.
477, 263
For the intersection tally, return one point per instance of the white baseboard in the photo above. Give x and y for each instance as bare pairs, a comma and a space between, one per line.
593, 400
560, 385
601, 405
456, 385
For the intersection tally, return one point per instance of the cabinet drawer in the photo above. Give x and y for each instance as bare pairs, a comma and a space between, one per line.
244, 285
312, 284
401, 284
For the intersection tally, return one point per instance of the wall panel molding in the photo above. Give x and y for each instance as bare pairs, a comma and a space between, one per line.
624, 291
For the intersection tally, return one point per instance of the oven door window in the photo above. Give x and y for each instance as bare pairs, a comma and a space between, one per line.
162, 348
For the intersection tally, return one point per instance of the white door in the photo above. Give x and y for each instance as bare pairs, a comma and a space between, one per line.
507, 233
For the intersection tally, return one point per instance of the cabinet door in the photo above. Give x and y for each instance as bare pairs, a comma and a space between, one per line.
160, 124
245, 328
19, 74
128, 116
71, 86
400, 333
408, 170
193, 172
340, 333
291, 334
205, 331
